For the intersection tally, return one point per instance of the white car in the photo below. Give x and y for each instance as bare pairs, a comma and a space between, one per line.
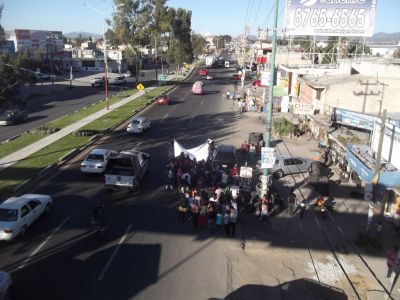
18, 213
209, 77
5, 286
120, 80
138, 124
98, 81
96, 161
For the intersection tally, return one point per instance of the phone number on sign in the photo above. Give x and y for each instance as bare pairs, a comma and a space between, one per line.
341, 17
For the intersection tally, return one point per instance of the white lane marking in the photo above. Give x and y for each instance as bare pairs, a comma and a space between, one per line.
114, 253
201, 103
42, 244
165, 116
137, 145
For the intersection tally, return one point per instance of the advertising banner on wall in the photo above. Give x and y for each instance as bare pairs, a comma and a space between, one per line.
300, 108
330, 17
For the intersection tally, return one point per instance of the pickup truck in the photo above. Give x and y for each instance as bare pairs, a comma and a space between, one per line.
126, 169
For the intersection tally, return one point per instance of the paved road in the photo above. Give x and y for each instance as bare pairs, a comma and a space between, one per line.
146, 253
50, 106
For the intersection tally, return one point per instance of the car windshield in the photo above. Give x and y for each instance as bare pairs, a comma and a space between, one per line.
225, 157
135, 122
95, 157
8, 215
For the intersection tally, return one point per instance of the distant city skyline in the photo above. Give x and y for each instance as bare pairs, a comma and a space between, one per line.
215, 17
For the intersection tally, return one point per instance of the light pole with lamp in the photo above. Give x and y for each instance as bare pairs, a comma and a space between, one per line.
102, 13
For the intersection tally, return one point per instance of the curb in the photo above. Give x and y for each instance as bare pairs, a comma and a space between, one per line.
49, 168
69, 155
18, 187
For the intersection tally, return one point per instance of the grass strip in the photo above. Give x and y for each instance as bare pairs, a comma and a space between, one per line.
31, 166
28, 138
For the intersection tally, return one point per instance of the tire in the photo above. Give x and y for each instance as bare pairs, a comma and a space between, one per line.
23, 231
278, 174
344, 176
355, 178
47, 209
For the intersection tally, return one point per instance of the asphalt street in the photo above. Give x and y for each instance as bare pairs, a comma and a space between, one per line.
145, 253
47, 105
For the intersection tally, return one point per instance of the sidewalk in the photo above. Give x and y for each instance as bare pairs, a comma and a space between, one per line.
11, 159
285, 233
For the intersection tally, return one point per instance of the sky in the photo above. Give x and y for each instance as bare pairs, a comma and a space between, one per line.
208, 16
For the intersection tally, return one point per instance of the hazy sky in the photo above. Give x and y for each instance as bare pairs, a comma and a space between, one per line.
216, 17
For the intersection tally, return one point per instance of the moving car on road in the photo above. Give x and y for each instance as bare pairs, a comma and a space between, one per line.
5, 286
285, 165
138, 124
98, 81
197, 88
96, 161
127, 169
162, 100
18, 213
14, 116
203, 72
120, 80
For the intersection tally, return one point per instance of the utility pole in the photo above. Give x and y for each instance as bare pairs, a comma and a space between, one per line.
264, 178
366, 93
156, 54
381, 100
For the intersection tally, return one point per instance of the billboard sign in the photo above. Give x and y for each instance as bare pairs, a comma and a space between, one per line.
330, 17
268, 157
353, 119
301, 108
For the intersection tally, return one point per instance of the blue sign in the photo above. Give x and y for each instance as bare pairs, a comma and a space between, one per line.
353, 119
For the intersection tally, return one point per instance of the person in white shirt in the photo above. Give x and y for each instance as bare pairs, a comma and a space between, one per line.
186, 177
232, 220
218, 192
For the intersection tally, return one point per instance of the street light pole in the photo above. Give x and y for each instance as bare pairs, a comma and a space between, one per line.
268, 127
102, 13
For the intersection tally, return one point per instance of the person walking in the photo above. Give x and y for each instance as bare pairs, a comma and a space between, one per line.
391, 259
291, 201
252, 153
227, 222
233, 220
195, 210
211, 217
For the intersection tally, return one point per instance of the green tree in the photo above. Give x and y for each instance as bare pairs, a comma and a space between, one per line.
198, 44
2, 33
131, 25
396, 53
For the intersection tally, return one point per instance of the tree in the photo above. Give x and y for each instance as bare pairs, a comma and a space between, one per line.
132, 27
198, 43
396, 53
2, 33
78, 40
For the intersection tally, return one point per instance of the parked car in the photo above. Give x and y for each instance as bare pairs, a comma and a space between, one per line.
162, 100
14, 116
97, 81
96, 161
127, 74
18, 213
138, 124
224, 156
235, 77
119, 80
256, 82
285, 165
203, 72
5, 286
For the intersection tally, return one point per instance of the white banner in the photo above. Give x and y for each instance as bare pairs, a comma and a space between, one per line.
330, 17
300, 108
199, 152
268, 157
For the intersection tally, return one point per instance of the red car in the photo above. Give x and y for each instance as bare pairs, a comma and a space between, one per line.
235, 77
162, 100
256, 82
203, 72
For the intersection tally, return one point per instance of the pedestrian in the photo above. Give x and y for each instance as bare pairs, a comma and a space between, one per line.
227, 222
228, 93
211, 217
232, 220
252, 153
390, 259
379, 228
182, 208
170, 179
291, 201
195, 210
302, 209
264, 212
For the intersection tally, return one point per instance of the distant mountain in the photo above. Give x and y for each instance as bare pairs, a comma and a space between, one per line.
385, 37
75, 34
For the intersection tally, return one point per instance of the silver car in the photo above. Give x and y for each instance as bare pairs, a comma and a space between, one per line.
285, 165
